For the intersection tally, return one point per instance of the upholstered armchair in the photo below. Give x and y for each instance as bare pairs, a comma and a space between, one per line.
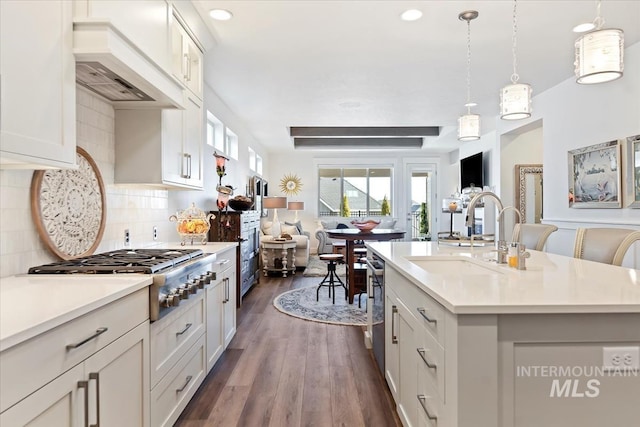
533, 236
608, 245
325, 243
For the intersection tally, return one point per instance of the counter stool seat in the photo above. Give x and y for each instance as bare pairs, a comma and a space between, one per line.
331, 279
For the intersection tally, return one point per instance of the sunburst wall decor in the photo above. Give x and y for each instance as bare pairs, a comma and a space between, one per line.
290, 184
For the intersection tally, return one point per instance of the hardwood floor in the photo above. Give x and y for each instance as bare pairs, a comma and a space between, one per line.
284, 371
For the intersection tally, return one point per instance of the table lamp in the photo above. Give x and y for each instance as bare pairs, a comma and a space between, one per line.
275, 203
295, 206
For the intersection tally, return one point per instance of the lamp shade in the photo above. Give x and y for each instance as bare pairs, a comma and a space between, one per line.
295, 206
599, 56
515, 101
469, 127
274, 202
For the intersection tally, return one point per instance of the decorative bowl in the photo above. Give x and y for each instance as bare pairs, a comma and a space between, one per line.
240, 205
365, 226
192, 224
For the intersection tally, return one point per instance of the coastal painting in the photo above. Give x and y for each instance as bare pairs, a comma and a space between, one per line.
632, 179
595, 176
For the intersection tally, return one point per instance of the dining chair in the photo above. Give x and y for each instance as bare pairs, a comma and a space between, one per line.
533, 236
607, 245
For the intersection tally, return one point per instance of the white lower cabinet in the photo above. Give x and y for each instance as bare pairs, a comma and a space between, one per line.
414, 358
109, 388
221, 306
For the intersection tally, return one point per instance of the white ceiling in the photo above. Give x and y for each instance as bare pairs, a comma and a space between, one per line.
355, 63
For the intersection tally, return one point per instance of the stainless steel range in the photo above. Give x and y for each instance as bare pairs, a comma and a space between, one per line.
177, 273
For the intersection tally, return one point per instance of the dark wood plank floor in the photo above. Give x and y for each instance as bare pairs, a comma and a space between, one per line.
284, 371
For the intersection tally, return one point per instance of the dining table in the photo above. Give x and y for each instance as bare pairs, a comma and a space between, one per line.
351, 236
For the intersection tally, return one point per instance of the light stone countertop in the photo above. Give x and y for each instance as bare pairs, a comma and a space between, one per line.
551, 284
31, 304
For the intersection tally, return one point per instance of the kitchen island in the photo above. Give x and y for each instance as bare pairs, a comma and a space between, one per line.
472, 343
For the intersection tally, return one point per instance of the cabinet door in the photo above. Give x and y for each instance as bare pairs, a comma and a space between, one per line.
58, 404
391, 347
194, 68
178, 55
408, 364
173, 160
37, 84
193, 142
215, 342
229, 306
119, 381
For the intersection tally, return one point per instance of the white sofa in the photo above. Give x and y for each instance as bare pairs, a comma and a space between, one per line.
325, 243
300, 236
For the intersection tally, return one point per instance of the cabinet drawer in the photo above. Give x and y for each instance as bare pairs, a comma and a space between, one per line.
172, 394
28, 366
429, 312
172, 335
431, 363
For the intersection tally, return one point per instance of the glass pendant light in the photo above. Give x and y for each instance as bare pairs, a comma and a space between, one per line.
468, 124
599, 54
515, 99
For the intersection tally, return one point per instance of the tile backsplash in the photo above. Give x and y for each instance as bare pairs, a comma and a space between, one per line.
134, 208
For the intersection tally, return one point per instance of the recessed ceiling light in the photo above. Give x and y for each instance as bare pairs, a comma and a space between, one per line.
411, 15
220, 14
583, 28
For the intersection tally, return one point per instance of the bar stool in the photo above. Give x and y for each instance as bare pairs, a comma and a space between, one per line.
360, 270
331, 278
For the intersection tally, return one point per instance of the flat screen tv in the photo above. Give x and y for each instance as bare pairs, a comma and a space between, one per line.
472, 171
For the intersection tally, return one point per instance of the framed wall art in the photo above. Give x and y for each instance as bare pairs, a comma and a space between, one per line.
595, 176
632, 174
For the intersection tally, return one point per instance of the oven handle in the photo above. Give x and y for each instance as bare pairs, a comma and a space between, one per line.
99, 331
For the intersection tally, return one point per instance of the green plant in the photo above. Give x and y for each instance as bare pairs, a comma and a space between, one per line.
345, 211
385, 209
424, 220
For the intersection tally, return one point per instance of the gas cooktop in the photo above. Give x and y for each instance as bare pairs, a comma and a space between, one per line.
147, 261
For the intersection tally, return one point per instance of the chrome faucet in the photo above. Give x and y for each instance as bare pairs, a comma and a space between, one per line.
501, 244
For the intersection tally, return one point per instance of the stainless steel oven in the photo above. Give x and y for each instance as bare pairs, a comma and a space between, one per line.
375, 307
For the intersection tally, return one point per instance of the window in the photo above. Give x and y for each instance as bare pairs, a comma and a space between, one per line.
354, 192
252, 159
215, 132
231, 144
258, 164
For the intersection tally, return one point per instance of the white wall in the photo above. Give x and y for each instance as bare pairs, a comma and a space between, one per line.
238, 172
575, 116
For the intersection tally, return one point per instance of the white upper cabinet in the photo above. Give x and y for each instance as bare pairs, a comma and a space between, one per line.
144, 22
186, 56
37, 85
160, 147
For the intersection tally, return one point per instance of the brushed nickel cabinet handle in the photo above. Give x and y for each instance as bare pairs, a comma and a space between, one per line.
423, 402
394, 337
99, 331
423, 354
179, 390
96, 376
85, 386
187, 326
423, 313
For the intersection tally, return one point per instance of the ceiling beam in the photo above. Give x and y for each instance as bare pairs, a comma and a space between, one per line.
368, 131
348, 143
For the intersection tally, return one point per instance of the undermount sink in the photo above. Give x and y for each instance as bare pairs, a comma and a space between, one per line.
452, 266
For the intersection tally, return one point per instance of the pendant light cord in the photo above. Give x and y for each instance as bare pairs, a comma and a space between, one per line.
468, 66
514, 76
598, 22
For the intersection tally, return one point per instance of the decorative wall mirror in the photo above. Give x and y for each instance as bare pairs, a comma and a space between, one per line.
529, 192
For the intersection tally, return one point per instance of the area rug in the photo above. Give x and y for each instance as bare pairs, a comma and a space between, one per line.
302, 303
318, 268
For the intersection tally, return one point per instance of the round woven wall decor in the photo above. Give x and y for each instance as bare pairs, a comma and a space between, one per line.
68, 207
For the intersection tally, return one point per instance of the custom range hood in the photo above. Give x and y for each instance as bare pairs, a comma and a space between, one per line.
110, 65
